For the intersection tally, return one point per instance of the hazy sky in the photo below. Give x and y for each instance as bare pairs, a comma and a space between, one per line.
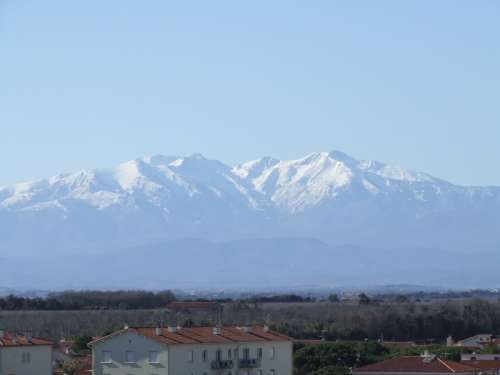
94, 83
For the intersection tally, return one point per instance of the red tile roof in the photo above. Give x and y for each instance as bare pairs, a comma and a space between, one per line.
488, 364
11, 339
205, 335
415, 365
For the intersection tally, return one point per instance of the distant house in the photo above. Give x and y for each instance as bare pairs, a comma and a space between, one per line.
230, 350
24, 355
426, 364
477, 341
485, 363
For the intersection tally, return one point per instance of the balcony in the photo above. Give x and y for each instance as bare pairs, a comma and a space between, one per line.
249, 363
222, 365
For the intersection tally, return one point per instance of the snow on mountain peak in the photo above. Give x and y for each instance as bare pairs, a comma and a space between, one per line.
290, 185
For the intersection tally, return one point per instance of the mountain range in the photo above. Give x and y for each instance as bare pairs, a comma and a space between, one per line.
326, 197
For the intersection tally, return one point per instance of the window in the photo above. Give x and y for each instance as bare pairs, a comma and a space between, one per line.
218, 355
272, 372
129, 356
190, 356
229, 355
236, 353
259, 353
204, 356
261, 372
272, 353
25, 357
154, 357
106, 357
246, 353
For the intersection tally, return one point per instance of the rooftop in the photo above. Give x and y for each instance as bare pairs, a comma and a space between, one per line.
203, 335
10, 339
484, 364
415, 364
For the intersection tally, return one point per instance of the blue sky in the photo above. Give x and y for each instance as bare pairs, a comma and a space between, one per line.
94, 83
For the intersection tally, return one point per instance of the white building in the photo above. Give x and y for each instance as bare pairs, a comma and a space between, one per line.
24, 355
477, 341
193, 351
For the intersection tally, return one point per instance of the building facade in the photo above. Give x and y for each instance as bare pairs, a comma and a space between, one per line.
193, 351
23, 355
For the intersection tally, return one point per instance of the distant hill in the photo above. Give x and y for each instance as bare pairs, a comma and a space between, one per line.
324, 201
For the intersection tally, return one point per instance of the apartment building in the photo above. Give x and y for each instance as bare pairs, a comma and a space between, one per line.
24, 355
230, 350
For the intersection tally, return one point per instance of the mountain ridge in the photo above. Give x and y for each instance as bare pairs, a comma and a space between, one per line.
330, 196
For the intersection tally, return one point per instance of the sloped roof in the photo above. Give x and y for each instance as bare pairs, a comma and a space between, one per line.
204, 335
10, 339
487, 364
415, 364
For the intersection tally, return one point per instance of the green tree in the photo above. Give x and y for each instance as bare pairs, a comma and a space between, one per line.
331, 370
364, 299
333, 298
315, 357
80, 343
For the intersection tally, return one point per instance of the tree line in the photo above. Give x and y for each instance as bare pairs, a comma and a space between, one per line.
90, 300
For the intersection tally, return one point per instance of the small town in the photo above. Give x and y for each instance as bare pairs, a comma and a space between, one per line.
228, 187
226, 349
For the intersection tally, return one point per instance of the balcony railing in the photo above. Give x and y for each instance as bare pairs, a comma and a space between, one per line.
249, 363
221, 365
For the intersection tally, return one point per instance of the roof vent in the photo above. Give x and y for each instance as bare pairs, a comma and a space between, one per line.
266, 328
245, 328
428, 357
125, 326
172, 329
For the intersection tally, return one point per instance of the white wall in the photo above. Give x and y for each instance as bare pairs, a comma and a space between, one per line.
40, 360
129, 341
175, 361
282, 362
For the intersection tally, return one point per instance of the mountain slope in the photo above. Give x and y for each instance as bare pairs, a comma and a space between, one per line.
329, 196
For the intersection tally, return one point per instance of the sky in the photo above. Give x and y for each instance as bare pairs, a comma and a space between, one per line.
94, 83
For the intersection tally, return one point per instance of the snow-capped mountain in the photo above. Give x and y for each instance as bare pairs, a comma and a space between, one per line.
329, 196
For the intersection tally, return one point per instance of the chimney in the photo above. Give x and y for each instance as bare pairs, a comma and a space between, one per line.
216, 331
125, 327
29, 337
158, 329
266, 328
172, 329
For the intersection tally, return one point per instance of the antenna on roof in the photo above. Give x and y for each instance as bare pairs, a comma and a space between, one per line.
218, 315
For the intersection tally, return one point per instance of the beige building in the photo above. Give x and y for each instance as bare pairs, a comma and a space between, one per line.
24, 355
193, 351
